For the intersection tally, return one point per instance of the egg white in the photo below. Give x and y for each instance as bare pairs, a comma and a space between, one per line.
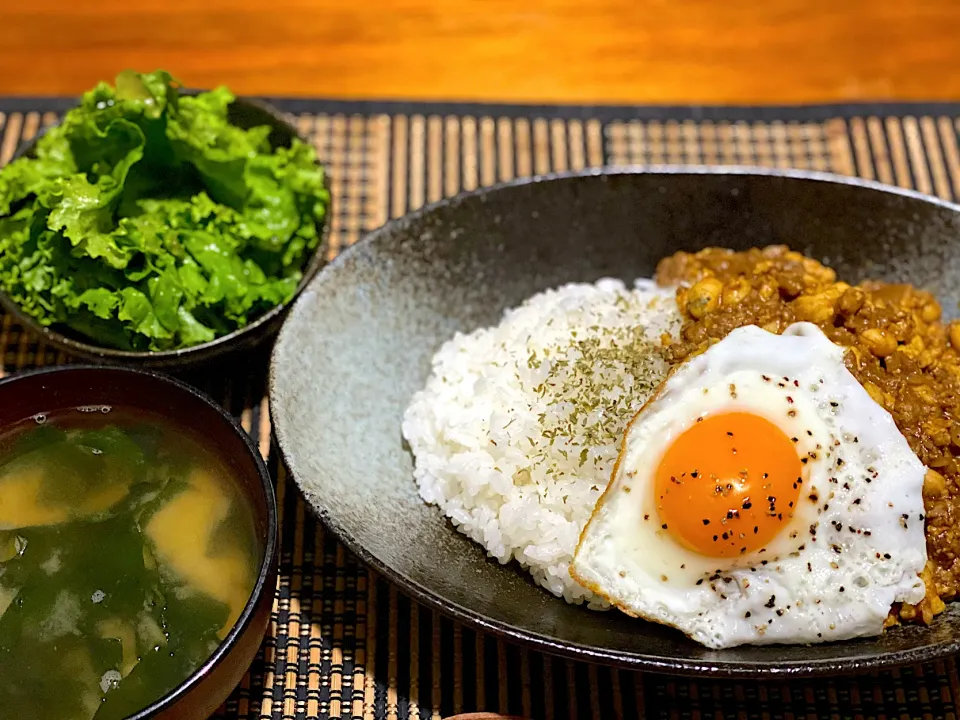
854, 546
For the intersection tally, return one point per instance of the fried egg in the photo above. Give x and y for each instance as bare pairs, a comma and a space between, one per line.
761, 496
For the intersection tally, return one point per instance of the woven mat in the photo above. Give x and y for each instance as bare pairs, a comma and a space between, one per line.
343, 643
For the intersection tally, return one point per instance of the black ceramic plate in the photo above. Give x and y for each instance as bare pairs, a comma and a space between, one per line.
359, 341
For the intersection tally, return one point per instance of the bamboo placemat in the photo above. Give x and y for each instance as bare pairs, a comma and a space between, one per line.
343, 643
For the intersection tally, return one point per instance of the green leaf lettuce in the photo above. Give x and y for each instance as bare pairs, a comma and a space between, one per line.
147, 221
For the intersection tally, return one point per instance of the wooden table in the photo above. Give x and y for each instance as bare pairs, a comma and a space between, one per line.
630, 51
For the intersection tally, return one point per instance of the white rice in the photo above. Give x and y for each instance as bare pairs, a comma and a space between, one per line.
518, 428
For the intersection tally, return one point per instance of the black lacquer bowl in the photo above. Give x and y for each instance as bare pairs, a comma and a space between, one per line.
359, 341
69, 386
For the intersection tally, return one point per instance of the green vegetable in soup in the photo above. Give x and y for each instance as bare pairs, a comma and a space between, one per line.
147, 221
125, 559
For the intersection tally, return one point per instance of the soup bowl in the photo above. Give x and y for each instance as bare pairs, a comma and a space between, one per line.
63, 388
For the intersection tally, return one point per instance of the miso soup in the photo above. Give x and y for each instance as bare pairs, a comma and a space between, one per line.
127, 553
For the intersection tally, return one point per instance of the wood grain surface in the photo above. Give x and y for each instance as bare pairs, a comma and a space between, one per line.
634, 51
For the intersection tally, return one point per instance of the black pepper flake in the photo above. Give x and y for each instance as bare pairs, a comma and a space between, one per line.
809, 567
664, 526
813, 497
716, 537
789, 399
796, 383
726, 536
729, 434
731, 514
795, 439
791, 413
771, 602
886, 556
804, 460
809, 433
834, 404
779, 612
765, 378
836, 548
841, 588
920, 516
706, 522
700, 581
839, 462
867, 533
746, 505
755, 529
646, 517
746, 614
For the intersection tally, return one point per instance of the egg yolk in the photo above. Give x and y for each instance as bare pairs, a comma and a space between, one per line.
729, 484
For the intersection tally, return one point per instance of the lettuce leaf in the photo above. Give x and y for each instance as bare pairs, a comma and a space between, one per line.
147, 221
